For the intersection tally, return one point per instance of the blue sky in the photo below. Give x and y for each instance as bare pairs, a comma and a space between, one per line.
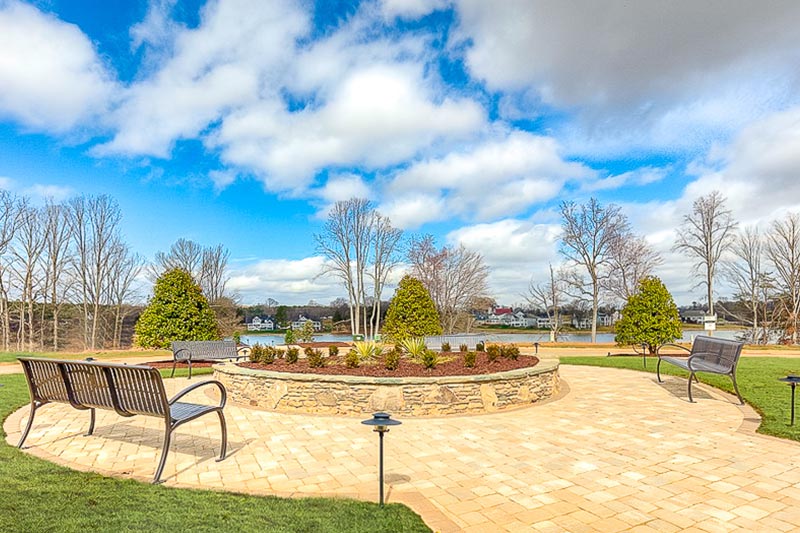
239, 122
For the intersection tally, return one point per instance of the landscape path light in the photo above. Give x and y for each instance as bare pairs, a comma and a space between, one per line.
381, 423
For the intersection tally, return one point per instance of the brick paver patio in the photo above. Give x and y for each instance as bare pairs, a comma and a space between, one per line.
618, 452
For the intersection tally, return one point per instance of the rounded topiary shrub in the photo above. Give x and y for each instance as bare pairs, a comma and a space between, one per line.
178, 311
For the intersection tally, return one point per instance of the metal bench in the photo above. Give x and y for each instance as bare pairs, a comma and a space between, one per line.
196, 351
708, 354
126, 389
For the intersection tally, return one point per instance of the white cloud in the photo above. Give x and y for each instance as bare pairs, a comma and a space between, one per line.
501, 177
230, 60
378, 116
758, 172
51, 76
412, 210
343, 187
514, 250
288, 281
6, 184
222, 178
638, 177
410, 9
57, 193
636, 74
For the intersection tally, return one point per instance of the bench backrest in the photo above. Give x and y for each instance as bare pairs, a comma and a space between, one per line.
722, 352
199, 350
126, 389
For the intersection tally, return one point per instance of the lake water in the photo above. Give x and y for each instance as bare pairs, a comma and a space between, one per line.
688, 336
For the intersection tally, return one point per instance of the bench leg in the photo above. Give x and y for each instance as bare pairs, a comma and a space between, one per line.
174, 362
163, 460
736, 388
91, 423
27, 426
224, 428
690, 386
658, 371
190, 369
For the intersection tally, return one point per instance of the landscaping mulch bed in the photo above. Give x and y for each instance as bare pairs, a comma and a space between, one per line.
338, 344
452, 364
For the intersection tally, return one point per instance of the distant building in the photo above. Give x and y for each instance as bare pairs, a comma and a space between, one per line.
300, 322
261, 324
603, 319
692, 316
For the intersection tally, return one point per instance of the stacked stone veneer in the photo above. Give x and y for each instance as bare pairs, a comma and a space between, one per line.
421, 396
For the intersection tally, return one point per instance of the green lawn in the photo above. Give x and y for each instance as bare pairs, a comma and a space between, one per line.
36, 495
757, 378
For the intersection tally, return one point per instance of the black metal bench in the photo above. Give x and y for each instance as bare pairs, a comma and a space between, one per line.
126, 389
708, 354
196, 351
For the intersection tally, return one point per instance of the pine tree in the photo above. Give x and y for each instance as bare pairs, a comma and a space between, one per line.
412, 312
649, 317
178, 311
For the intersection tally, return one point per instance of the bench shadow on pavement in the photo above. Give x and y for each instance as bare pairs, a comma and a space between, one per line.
677, 387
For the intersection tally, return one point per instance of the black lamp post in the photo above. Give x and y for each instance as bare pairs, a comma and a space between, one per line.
381, 422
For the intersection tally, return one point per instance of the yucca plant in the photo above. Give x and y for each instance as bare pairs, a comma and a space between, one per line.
367, 350
414, 347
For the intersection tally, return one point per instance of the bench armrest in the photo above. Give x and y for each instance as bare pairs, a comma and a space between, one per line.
184, 392
672, 345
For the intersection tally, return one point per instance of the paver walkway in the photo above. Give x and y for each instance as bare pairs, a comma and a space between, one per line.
618, 452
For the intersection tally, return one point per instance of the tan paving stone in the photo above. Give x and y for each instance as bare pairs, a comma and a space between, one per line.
618, 452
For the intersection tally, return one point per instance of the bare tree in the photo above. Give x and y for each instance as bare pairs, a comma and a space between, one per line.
630, 260
9, 217
385, 241
345, 243
588, 232
706, 233
124, 268
57, 261
747, 274
454, 277
213, 271
549, 296
94, 225
184, 254
783, 251
27, 248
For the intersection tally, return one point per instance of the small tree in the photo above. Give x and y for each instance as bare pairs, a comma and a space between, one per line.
178, 311
649, 317
412, 312
306, 334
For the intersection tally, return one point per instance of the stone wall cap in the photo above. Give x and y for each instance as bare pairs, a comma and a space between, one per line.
544, 365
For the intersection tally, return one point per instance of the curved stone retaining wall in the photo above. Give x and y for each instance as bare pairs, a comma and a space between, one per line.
355, 395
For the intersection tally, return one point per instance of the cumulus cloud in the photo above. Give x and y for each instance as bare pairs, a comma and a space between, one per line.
51, 76
222, 65
293, 281
667, 71
498, 178
515, 250
378, 116
758, 171
410, 9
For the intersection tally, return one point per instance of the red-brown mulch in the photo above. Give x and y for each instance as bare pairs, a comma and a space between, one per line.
452, 365
338, 344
